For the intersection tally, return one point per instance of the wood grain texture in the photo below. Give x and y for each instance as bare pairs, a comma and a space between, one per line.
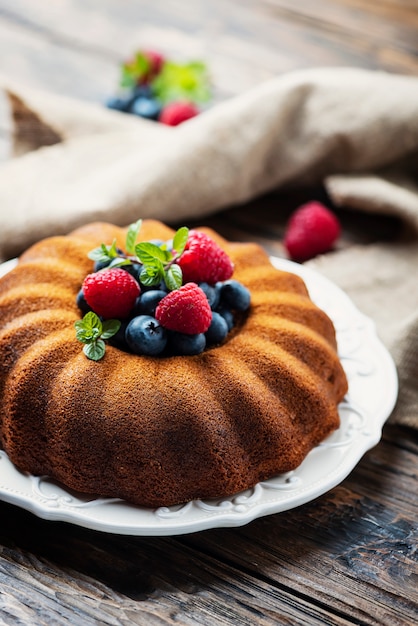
350, 557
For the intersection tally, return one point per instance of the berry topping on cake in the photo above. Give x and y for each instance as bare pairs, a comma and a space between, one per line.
204, 261
171, 297
217, 330
92, 332
185, 310
234, 295
111, 293
144, 335
312, 229
148, 301
186, 345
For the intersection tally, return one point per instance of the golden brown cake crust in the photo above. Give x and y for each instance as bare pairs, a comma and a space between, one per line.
159, 431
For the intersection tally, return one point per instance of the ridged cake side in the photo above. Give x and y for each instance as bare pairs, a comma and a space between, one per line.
160, 431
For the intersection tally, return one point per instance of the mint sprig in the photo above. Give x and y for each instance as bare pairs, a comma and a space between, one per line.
132, 236
175, 81
134, 70
159, 263
92, 332
189, 81
104, 253
180, 240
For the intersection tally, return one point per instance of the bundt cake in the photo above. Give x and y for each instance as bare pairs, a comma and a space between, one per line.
161, 430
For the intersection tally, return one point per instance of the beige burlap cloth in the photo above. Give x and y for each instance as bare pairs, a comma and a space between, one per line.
355, 131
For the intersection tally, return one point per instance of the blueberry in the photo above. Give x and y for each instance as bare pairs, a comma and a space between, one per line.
187, 345
146, 107
161, 286
141, 91
212, 293
134, 269
119, 103
217, 330
81, 302
147, 302
227, 315
144, 335
235, 296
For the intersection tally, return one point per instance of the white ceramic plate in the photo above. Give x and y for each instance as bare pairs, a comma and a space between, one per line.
369, 402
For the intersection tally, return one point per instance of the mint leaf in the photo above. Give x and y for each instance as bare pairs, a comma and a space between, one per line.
134, 70
110, 328
180, 240
119, 262
91, 331
173, 277
85, 337
148, 252
98, 255
188, 82
132, 236
152, 275
95, 351
103, 252
89, 328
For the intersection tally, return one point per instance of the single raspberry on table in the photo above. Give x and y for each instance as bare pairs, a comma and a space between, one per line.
111, 293
176, 113
312, 229
185, 310
203, 261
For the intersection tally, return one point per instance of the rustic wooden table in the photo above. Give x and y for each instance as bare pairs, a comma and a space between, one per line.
350, 556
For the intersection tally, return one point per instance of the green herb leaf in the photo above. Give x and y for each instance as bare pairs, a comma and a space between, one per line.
84, 337
89, 328
96, 350
98, 255
103, 252
152, 275
180, 240
134, 70
148, 253
91, 331
132, 236
173, 277
119, 262
110, 328
112, 250
188, 82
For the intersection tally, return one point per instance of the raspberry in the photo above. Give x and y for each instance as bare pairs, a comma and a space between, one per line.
111, 293
176, 113
312, 229
203, 261
185, 310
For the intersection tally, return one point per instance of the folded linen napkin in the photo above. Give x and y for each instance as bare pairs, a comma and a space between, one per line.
356, 131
